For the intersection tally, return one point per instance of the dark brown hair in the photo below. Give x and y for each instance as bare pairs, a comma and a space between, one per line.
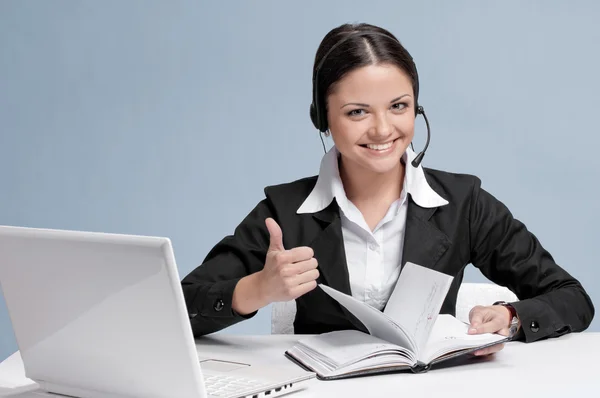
351, 46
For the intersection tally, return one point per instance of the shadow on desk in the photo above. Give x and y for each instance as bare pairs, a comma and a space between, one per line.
465, 361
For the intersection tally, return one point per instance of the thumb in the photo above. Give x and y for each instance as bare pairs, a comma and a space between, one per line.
276, 242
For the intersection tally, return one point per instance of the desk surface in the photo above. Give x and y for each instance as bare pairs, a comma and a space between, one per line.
550, 368
560, 367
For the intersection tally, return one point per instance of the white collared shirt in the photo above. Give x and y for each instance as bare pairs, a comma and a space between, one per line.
373, 257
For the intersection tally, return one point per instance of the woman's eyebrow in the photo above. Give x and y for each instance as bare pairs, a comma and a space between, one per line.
367, 105
399, 98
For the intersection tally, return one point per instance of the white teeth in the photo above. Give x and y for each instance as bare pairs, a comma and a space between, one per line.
380, 147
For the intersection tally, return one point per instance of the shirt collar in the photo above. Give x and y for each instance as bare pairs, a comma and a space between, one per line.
329, 185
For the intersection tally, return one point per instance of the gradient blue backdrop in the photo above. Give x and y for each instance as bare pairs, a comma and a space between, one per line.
169, 117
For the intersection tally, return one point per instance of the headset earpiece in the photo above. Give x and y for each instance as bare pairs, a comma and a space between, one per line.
314, 117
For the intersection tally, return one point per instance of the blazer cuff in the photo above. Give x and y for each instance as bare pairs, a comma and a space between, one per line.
219, 299
538, 321
214, 302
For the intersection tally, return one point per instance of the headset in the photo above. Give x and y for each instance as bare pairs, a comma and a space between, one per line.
318, 115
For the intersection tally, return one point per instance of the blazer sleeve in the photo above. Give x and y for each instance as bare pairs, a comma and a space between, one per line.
551, 302
208, 289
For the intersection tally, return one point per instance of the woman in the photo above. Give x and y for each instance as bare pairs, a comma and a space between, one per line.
372, 208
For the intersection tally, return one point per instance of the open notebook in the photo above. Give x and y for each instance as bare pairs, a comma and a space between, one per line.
408, 334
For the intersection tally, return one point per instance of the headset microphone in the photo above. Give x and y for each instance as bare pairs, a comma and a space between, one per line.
417, 160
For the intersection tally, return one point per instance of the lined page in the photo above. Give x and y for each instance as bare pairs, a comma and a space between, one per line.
449, 335
417, 300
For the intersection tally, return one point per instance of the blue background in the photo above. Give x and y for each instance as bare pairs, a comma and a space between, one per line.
169, 117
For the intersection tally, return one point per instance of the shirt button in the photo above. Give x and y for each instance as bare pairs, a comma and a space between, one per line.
219, 305
192, 314
534, 327
373, 247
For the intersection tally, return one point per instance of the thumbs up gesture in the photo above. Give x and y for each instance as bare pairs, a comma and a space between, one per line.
287, 274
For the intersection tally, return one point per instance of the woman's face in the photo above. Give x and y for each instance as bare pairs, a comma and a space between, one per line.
371, 117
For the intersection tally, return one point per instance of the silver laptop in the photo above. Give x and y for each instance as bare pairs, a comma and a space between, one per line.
103, 315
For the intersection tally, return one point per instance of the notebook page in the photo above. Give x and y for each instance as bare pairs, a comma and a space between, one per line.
417, 300
378, 324
345, 347
449, 335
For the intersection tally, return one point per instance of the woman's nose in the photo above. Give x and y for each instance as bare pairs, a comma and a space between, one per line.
383, 127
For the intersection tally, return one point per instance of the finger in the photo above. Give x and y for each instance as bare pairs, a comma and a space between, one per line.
491, 326
299, 254
303, 266
504, 332
307, 276
303, 288
287, 270
489, 350
476, 318
275, 234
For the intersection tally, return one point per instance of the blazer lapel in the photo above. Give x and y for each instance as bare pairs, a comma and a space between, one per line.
424, 243
329, 251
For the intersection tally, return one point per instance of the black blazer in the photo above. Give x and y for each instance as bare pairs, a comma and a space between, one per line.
474, 228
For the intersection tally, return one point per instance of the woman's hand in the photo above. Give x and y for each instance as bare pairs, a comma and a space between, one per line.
490, 319
286, 275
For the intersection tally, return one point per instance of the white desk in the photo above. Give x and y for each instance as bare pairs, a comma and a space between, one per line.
567, 366
563, 367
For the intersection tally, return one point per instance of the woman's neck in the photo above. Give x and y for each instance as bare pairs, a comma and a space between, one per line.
363, 186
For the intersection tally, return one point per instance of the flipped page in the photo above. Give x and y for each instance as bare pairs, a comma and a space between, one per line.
415, 305
411, 317
417, 300
411, 310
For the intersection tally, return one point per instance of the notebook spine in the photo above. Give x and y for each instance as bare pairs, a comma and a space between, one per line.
421, 368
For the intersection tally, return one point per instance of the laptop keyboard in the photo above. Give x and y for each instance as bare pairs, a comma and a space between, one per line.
222, 385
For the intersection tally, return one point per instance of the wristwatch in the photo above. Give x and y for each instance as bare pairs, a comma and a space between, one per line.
513, 327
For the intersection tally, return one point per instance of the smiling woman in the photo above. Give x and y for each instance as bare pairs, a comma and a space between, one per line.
371, 209
371, 126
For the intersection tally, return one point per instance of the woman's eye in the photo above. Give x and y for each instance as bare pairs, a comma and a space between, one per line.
356, 112
399, 106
